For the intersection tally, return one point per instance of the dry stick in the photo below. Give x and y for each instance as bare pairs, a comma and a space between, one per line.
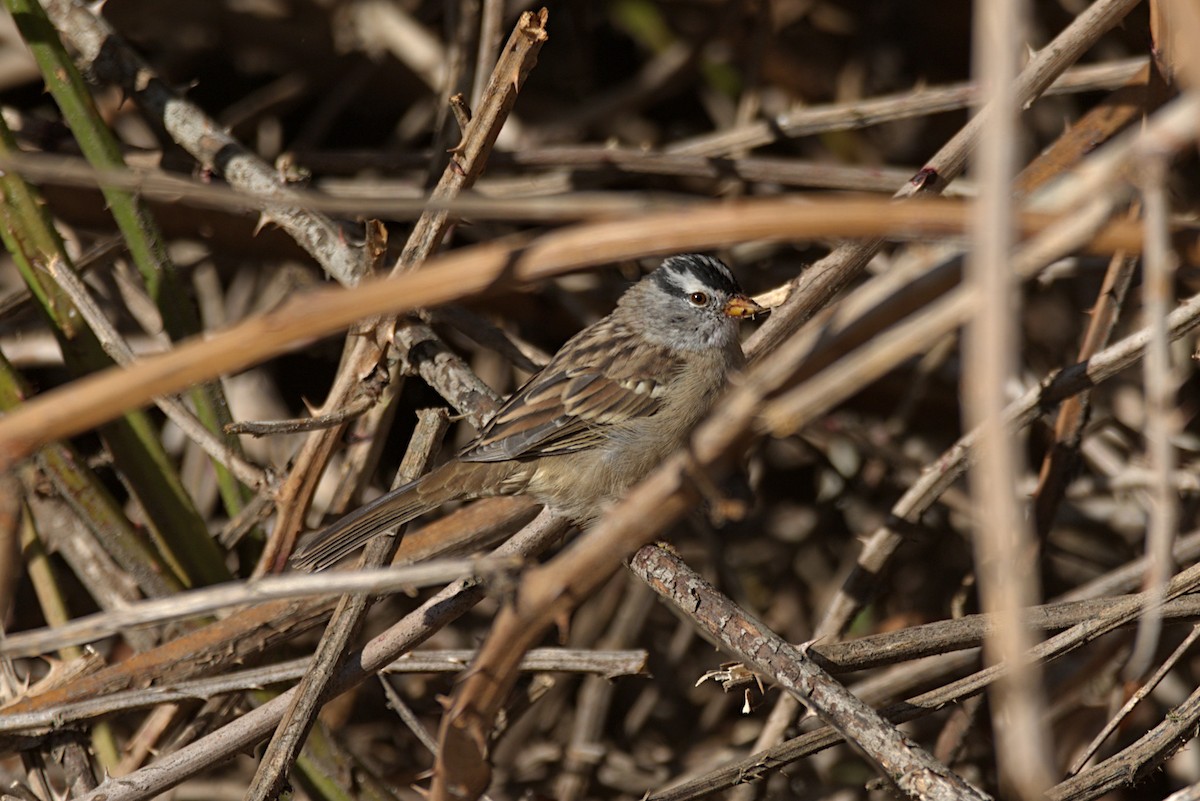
405, 713
293, 729
827, 277
606, 664
424, 352
201, 652
1160, 391
865, 653
1075, 637
874, 111
1058, 464
897, 758
923, 673
466, 164
585, 747
145, 740
221, 596
491, 202
1167, 126
172, 405
1138, 760
1005, 554
90, 401
243, 732
106, 57
777, 171
382, 25
490, 23
470, 157
265, 428
1134, 700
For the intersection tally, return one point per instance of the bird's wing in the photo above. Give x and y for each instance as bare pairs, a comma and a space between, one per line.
593, 383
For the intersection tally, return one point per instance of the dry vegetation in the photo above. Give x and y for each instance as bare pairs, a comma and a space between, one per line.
274, 212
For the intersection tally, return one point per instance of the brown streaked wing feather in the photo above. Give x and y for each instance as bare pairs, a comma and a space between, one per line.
589, 385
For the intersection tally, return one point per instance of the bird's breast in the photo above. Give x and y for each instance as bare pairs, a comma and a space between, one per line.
581, 485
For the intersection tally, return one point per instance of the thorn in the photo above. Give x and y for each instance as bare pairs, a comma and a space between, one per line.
263, 221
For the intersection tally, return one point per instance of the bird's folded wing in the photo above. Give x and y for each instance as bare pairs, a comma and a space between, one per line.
566, 410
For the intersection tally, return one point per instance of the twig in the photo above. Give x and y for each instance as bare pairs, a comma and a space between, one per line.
865, 113
1068, 426
108, 58
1134, 700
1157, 294
1006, 556
489, 41
439, 366
470, 157
1136, 761
897, 758
1078, 635
265, 428
605, 664
347, 619
172, 405
386, 26
255, 725
90, 401
211, 599
406, 714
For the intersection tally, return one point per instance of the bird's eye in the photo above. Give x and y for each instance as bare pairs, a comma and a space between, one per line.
698, 299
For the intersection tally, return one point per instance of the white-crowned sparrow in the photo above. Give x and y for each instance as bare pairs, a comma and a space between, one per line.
612, 403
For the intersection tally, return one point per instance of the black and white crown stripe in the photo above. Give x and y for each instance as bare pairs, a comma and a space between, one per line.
686, 274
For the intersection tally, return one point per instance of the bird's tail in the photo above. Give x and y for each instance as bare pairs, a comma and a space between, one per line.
407, 502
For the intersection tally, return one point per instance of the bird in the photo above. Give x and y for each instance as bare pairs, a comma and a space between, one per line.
607, 408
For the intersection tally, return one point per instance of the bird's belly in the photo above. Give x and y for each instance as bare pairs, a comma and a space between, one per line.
582, 485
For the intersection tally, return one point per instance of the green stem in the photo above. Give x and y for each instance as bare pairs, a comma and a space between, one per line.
183, 539
141, 233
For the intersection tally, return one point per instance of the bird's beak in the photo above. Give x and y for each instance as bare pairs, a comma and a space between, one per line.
740, 306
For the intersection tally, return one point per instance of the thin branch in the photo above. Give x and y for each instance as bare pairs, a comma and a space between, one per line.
253, 726
348, 617
1142, 692
1006, 555
88, 402
1161, 427
106, 56
172, 405
895, 757
919, 102
211, 599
